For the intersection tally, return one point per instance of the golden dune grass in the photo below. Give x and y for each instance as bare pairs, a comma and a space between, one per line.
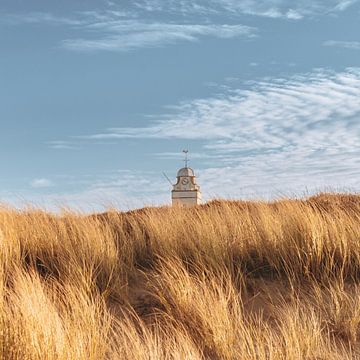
226, 280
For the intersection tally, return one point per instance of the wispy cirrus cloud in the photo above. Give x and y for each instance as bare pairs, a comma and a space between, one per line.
113, 30
40, 18
274, 136
343, 5
132, 34
41, 183
74, 19
265, 8
141, 24
273, 108
353, 45
123, 189
62, 145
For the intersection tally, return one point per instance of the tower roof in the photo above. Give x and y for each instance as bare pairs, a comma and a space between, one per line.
186, 171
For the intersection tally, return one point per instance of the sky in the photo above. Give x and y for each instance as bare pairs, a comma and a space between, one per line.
98, 98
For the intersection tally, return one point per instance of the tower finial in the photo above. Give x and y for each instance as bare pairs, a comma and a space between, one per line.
185, 151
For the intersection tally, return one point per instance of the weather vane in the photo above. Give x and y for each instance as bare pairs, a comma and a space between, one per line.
185, 151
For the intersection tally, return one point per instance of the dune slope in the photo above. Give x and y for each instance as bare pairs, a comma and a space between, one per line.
225, 280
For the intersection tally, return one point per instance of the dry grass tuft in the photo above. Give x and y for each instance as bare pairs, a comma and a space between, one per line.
226, 280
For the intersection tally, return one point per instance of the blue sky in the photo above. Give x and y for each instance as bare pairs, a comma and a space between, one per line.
98, 98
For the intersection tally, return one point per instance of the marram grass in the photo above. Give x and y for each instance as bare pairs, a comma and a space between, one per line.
226, 280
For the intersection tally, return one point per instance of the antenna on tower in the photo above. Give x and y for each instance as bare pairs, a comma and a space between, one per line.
167, 178
185, 151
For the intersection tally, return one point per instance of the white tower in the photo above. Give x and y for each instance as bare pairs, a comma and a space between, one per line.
186, 192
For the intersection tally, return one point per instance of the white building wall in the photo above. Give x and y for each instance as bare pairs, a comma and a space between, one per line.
187, 198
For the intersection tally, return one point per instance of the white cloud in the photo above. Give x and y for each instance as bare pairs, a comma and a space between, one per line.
354, 45
137, 24
62, 145
275, 137
131, 34
40, 18
344, 4
124, 189
294, 15
267, 8
115, 30
76, 20
269, 108
41, 183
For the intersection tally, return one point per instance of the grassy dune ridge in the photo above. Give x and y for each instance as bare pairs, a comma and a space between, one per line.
225, 280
